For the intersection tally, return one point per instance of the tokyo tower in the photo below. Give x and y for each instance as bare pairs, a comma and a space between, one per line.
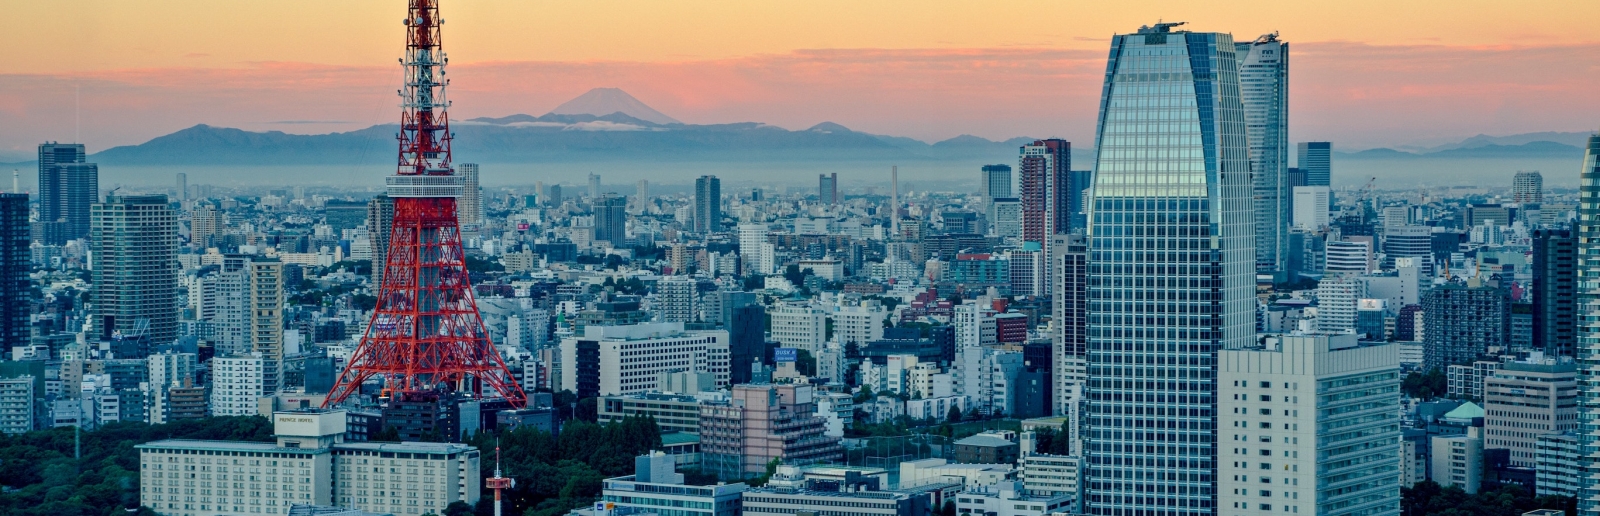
425, 334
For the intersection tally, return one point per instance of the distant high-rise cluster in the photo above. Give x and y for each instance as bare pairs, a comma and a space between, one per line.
68, 185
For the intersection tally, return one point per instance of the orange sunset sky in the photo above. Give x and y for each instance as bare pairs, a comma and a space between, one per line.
1363, 73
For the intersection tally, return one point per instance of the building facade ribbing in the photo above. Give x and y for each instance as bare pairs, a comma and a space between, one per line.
1264, 91
134, 239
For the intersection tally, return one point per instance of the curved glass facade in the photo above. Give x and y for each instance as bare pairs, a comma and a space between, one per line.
1172, 269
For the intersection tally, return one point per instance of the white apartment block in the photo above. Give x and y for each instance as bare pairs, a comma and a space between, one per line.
16, 405
236, 385
855, 323
180, 477
1309, 424
167, 370
801, 326
676, 300
615, 360
1336, 303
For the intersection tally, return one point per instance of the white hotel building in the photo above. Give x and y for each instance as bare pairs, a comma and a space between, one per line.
309, 464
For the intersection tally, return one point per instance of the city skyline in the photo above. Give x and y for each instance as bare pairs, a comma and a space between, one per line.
1412, 79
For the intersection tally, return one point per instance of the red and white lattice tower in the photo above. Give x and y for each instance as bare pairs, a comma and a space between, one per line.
426, 333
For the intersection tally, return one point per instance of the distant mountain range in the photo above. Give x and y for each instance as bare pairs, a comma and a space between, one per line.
607, 125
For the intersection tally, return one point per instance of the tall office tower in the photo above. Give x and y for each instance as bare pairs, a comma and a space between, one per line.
1527, 187
470, 209
1588, 352
1043, 163
1334, 400
134, 239
1071, 187
1264, 91
641, 196
183, 186
553, 195
380, 222
828, 188
264, 301
611, 219
707, 204
77, 186
14, 260
1555, 292
594, 186
1171, 269
996, 182
1069, 317
894, 202
53, 190
1409, 242
1316, 161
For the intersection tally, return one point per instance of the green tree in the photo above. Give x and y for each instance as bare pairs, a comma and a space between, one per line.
954, 415
1425, 386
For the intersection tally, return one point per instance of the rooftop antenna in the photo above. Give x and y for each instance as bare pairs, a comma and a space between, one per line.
498, 483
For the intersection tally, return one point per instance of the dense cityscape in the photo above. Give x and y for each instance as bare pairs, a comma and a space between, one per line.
1184, 325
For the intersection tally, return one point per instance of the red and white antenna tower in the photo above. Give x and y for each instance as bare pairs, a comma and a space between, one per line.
498, 482
425, 334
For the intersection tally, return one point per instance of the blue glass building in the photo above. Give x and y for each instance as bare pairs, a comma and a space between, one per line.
1589, 326
1172, 269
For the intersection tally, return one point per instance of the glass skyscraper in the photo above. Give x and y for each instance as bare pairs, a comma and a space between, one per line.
1316, 161
1589, 325
1264, 91
1172, 269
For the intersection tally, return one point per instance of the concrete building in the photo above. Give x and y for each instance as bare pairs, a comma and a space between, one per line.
708, 205
657, 487
789, 492
1309, 424
1555, 292
759, 423
15, 262
996, 181
987, 448
1051, 475
134, 241
854, 324
17, 405
672, 412
469, 207
1524, 401
1457, 460
1311, 207
613, 360
1527, 187
800, 325
1463, 323
1011, 499
236, 385
1560, 467
310, 464
1337, 300
676, 300
1349, 256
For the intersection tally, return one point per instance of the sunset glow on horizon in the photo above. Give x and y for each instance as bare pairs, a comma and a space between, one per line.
1364, 73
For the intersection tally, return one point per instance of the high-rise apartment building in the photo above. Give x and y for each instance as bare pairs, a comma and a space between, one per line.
799, 325
1069, 316
264, 316
15, 257
1588, 352
676, 299
1555, 292
380, 222
996, 181
205, 223
1171, 269
1310, 207
1309, 425
707, 204
469, 208
1264, 91
236, 383
611, 219
828, 188
1316, 161
1337, 298
1042, 163
1461, 323
594, 186
641, 195
1527, 187
134, 239
182, 188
